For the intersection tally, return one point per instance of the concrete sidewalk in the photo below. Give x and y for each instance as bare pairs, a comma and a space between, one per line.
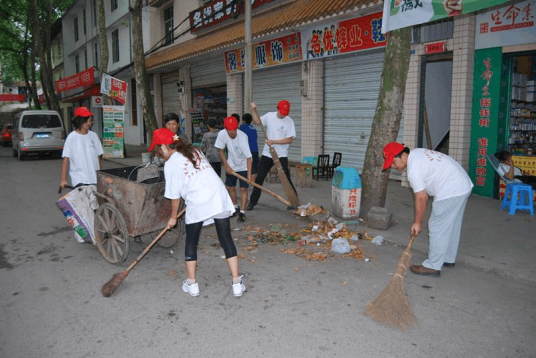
492, 240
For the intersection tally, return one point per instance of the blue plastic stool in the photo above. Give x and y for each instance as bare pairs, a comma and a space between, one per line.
513, 202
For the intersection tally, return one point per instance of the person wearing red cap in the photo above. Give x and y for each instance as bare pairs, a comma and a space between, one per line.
438, 175
189, 176
238, 160
280, 133
82, 151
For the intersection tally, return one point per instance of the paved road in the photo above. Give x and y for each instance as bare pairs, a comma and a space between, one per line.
51, 305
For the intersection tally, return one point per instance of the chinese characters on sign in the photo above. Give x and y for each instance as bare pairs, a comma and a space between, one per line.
278, 51
81, 79
218, 11
510, 25
114, 88
437, 47
345, 36
483, 122
112, 132
6, 97
353, 204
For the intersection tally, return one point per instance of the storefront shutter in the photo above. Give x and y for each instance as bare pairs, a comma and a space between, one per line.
209, 72
272, 85
352, 86
170, 93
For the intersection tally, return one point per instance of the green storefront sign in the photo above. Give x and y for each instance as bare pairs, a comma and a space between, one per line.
488, 118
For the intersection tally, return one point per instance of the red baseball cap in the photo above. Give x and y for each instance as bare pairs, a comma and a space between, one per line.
163, 136
230, 123
284, 107
390, 151
82, 112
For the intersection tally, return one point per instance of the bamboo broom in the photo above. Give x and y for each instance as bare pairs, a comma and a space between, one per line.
289, 191
392, 308
286, 202
109, 287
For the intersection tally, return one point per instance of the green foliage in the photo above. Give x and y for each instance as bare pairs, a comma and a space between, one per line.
16, 34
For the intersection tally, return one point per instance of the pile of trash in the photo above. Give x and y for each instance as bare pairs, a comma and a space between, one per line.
310, 210
316, 242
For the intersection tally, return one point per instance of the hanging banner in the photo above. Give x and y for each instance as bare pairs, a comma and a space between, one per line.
341, 37
6, 97
114, 88
278, 51
507, 26
485, 119
113, 118
403, 13
81, 79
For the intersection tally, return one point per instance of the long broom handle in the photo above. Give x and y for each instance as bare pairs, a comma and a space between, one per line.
286, 202
146, 250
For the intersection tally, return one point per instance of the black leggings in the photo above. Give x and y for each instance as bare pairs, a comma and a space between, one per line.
223, 228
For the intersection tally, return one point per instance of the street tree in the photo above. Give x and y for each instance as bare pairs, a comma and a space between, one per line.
142, 79
386, 123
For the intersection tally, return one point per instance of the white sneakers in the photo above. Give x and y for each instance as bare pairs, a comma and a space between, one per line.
193, 288
239, 288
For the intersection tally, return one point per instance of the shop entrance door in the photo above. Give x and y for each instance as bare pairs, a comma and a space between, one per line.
436, 90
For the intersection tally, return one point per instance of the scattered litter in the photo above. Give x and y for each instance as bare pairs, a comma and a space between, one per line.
367, 259
332, 221
354, 237
340, 246
171, 252
378, 240
309, 210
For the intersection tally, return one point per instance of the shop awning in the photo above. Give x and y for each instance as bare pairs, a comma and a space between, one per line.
279, 19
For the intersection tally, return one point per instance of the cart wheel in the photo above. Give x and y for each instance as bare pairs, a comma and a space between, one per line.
111, 234
173, 236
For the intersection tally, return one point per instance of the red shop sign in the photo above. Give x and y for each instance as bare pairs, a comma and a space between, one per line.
437, 47
81, 79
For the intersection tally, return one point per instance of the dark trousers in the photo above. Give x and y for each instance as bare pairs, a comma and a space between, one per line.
265, 166
217, 167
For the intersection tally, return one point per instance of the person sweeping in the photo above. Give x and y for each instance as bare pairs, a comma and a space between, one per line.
190, 176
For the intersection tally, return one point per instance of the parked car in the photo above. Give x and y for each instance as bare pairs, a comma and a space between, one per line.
38, 132
5, 135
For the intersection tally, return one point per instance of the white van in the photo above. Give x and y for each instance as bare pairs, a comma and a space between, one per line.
38, 132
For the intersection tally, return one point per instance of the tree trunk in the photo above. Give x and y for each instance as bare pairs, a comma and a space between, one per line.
103, 41
142, 79
32, 62
48, 60
39, 41
386, 122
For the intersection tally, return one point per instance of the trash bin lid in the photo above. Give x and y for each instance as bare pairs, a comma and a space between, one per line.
346, 178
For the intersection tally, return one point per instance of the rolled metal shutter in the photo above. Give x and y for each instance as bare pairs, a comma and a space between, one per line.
272, 85
352, 86
170, 93
209, 72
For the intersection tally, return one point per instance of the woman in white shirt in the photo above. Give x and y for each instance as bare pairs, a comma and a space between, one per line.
190, 176
509, 171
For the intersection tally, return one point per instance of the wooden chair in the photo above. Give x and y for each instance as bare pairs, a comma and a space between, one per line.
321, 170
337, 157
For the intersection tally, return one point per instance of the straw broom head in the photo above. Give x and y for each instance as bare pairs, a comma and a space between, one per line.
392, 308
109, 287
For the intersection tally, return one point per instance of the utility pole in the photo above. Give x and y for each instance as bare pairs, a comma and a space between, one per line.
248, 96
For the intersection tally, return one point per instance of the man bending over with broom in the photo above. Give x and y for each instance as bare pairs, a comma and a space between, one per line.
280, 133
438, 175
190, 176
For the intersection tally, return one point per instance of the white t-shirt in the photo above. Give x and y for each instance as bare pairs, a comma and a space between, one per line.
83, 151
237, 149
277, 129
202, 190
441, 176
505, 168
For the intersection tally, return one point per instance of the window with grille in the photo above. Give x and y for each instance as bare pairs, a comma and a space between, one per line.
115, 46
84, 20
168, 25
433, 31
113, 4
